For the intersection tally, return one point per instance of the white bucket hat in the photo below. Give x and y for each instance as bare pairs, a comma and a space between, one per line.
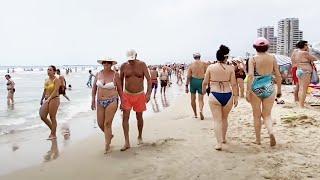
102, 59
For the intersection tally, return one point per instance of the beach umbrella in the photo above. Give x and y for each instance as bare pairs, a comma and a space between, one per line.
282, 60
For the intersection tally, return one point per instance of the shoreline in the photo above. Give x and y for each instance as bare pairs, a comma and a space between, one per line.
177, 146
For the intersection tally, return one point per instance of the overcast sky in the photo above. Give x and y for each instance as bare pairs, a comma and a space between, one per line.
41, 32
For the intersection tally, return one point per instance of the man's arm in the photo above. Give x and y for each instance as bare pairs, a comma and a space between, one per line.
122, 75
147, 75
189, 75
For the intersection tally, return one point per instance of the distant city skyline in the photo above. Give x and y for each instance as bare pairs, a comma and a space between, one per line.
62, 32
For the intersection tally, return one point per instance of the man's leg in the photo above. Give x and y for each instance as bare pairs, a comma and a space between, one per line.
201, 104
125, 126
193, 104
140, 126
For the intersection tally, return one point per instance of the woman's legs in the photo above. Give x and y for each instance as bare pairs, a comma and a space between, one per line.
225, 112
256, 110
240, 83
43, 112
266, 115
10, 98
100, 116
304, 82
216, 111
53, 108
109, 115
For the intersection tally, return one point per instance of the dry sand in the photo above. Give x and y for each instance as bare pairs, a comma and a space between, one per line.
178, 146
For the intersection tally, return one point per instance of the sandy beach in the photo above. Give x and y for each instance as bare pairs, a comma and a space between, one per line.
177, 146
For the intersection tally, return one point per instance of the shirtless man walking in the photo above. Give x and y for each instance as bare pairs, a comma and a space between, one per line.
195, 77
154, 80
133, 72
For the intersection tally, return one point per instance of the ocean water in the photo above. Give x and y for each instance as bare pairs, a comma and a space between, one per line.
24, 115
22, 133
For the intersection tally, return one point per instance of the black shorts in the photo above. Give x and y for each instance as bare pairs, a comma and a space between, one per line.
164, 83
154, 85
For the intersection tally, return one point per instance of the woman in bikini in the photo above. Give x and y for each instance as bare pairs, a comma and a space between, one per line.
260, 87
240, 75
105, 93
11, 89
304, 69
223, 93
50, 101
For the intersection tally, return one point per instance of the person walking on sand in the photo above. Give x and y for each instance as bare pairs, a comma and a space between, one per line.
50, 101
294, 74
105, 98
223, 93
133, 73
260, 87
240, 75
11, 90
154, 80
89, 83
195, 77
63, 84
164, 79
179, 76
305, 65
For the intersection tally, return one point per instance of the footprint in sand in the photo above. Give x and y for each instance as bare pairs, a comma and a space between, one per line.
161, 142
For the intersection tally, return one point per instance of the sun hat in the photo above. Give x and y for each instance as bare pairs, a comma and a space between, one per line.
102, 59
261, 41
131, 54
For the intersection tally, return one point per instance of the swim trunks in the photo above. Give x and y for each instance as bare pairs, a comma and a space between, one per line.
135, 101
294, 75
196, 85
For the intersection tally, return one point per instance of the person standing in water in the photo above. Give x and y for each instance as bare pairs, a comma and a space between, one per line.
154, 80
195, 77
132, 74
89, 83
260, 87
50, 101
223, 93
63, 84
105, 93
11, 90
164, 79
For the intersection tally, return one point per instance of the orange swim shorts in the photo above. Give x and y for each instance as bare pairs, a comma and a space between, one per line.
135, 101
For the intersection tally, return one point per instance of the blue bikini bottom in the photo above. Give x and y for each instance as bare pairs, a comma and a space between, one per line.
223, 98
106, 102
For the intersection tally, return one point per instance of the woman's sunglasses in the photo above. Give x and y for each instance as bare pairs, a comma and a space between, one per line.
106, 62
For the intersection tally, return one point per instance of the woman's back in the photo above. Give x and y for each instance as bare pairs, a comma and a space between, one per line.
262, 64
220, 77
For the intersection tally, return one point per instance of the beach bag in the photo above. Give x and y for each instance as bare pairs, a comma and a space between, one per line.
314, 76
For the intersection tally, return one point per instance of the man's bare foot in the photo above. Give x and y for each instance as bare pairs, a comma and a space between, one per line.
51, 137
201, 116
218, 147
140, 141
272, 140
125, 147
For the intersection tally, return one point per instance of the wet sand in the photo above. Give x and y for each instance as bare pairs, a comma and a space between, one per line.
178, 146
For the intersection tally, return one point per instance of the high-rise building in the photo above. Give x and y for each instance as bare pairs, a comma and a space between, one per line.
268, 33
288, 35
